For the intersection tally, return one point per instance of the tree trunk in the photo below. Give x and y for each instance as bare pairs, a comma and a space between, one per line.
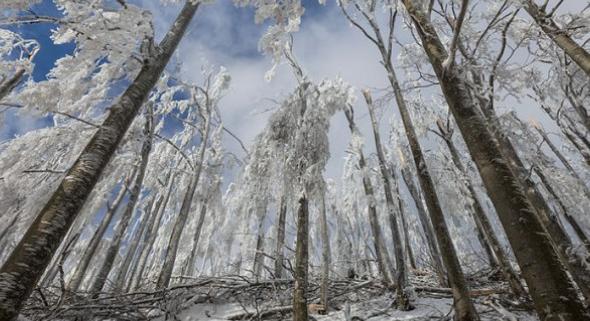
462, 302
153, 231
279, 251
326, 256
134, 195
90, 250
191, 261
8, 85
480, 217
170, 257
259, 254
380, 251
563, 160
301, 262
27, 261
576, 52
402, 300
123, 273
552, 291
426, 225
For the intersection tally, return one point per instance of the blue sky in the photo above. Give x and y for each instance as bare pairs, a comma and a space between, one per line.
224, 35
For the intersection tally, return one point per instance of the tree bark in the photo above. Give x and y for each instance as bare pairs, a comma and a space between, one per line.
259, 254
480, 217
171, 251
380, 251
326, 253
123, 273
552, 291
153, 231
134, 195
402, 215
90, 250
8, 85
462, 302
191, 261
27, 261
426, 225
279, 250
576, 52
402, 300
301, 262
563, 160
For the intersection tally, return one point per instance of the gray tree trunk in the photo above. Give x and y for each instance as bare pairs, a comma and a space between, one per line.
462, 301
90, 250
380, 252
8, 85
426, 225
27, 261
326, 253
552, 291
150, 238
481, 219
171, 251
121, 228
576, 52
279, 250
191, 260
301, 262
402, 300
122, 273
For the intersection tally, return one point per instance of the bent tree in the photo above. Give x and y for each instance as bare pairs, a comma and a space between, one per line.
551, 290
31, 256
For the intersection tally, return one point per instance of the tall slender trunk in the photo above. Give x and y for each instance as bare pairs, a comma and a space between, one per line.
27, 261
405, 227
480, 217
191, 260
279, 250
552, 291
259, 254
171, 251
90, 250
403, 218
402, 300
426, 225
573, 222
8, 85
301, 262
380, 251
123, 272
153, 231
462, 301
561, 38
563, 160
326, 255
134, 195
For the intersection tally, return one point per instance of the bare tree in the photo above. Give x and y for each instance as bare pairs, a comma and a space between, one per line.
544, 273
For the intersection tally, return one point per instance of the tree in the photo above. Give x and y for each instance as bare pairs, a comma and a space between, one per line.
206, 101
402, 300
561, 38
90, 250
380, 250
28, 260
464, 307
134, 195
546, 278
484, 224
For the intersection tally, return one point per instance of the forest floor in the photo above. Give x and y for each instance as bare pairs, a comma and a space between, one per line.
241, 298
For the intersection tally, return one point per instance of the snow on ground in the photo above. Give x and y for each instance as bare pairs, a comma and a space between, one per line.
374, 309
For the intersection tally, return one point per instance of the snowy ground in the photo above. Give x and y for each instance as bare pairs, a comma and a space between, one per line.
375, 309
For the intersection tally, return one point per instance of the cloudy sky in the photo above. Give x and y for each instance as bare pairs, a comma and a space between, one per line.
327, 46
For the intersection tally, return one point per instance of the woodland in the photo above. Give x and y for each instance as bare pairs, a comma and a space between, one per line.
136, 201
